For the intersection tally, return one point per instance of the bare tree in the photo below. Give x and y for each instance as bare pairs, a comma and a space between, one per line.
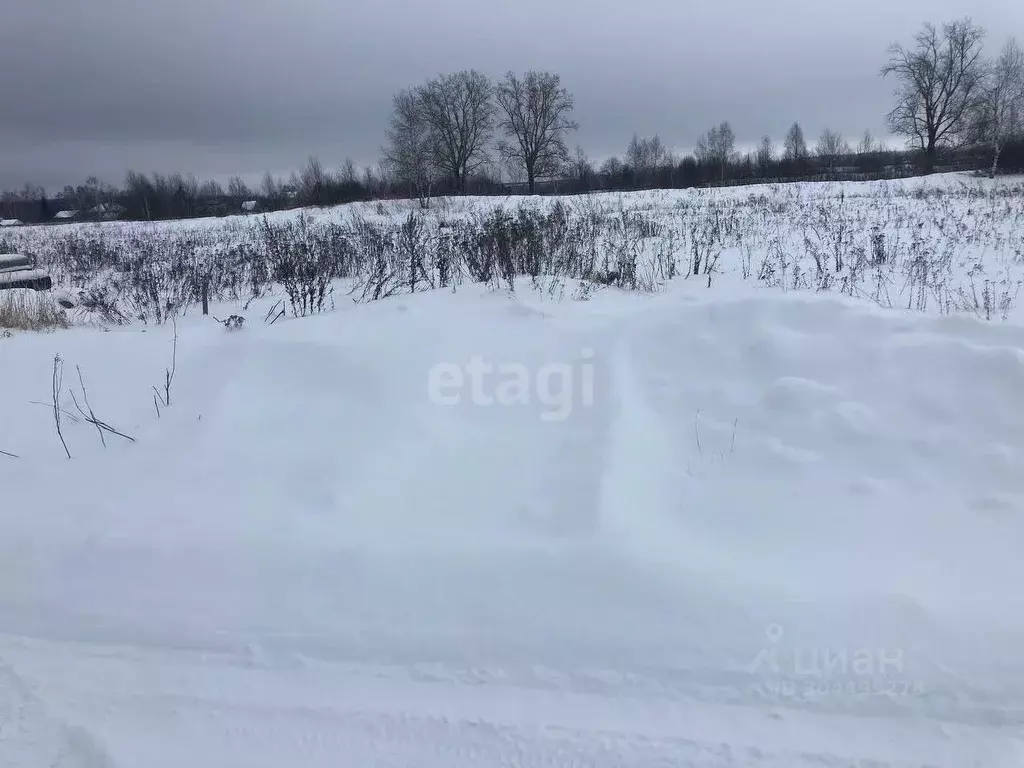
535, 118
348, 173
765, 155
1000, 113
272, 189
657, 154
458, 109
716, 147
313, 182
646, 157
211, 190
238, 189
867, 144
831, 146
407, 157
370, 181
635, 153
795, 145
581, 168
611, 167
939, 81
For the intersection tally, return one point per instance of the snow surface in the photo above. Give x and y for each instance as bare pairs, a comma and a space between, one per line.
763, 530
923, 187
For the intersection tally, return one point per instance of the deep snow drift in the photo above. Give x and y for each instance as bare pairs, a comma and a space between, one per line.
770, 530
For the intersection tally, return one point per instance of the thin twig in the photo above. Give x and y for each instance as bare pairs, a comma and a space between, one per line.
113, 431
102, 426
169, 374
272, 309
64, 411
85, 396
9, 455
58, 377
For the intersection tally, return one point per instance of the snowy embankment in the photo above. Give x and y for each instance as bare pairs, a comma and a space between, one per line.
758, 529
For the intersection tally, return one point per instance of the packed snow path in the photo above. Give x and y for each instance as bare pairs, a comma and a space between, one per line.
762, 532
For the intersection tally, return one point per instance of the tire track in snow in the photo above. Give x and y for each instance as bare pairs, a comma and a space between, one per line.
642, 483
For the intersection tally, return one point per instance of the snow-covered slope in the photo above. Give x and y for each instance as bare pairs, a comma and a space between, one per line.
768, 530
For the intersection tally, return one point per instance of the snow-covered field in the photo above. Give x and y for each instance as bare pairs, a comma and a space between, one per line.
950, 244
476, 526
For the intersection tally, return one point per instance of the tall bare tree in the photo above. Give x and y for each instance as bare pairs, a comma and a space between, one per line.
867, 144
348, 173
371, 181
581, 168
459, 112
795, 145
408, 155
536, 116
636, 154
765, 155
211, 190
313, 182
646, 156
939, 81
1000, 113
238, 189
831, 146
716, 148
272, 189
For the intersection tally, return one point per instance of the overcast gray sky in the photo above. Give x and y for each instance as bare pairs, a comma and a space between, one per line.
218, 87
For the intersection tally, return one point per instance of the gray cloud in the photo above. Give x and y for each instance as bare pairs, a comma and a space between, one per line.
216, 87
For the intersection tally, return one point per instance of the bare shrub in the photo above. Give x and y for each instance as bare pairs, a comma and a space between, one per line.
305, 258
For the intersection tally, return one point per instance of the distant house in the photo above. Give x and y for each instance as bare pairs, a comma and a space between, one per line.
66, 215
250, 206
10, 223
107, 211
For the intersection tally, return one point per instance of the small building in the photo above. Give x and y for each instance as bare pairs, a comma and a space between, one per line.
66, 215
250, 206
10, 222
107, 211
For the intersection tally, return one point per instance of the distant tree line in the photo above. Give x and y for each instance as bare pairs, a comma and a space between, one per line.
462, 133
